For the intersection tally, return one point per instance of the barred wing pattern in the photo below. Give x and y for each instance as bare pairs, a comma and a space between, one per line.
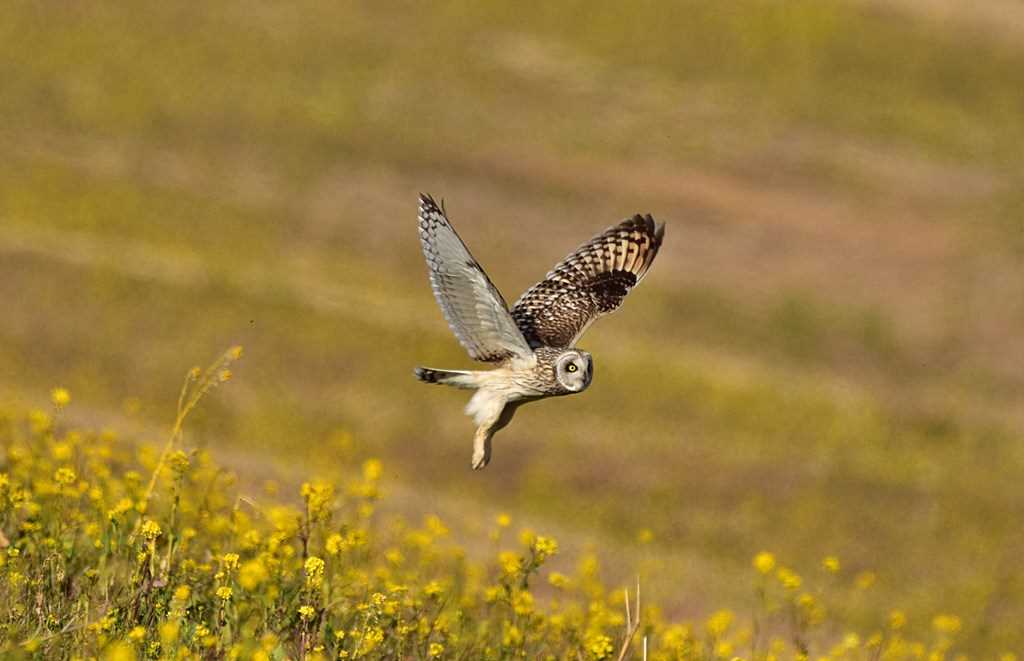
473, 306
589, 283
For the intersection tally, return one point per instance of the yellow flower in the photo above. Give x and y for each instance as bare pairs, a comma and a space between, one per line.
789, 579
60, 397
522, 602
200, 633
503, 520
433, 589
314, 567
251, 574
372, 469
335, 544
251, 539
182, 593
178, 461
119, 652
64, 476
509, 561
897, 620
597, 645
435, 650
764, 562
151, 529
558, 580
137, 634
675, 637
307, 612
39, 421
544, 547
318, 496
230, 561
122, 506
436, 526
812, 610
947, 624
224, 593
511, 636
719, 622
831, 564
373, 637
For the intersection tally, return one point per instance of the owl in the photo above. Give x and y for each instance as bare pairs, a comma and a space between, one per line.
533, 344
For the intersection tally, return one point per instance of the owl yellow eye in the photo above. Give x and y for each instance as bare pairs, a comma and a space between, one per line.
571, 367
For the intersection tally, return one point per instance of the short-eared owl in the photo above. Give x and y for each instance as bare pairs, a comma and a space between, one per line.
533, 344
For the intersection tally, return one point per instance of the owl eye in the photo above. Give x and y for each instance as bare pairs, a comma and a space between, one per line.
571, 367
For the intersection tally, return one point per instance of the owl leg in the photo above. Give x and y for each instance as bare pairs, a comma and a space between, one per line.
501, 413
482, 447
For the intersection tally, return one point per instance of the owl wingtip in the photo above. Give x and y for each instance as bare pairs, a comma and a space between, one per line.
652, 226
427, 202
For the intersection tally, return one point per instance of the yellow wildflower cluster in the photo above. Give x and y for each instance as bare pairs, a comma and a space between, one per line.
151, 529
96, 565
314, 568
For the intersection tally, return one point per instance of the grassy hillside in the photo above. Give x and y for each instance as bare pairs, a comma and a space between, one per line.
826, 358
130, 550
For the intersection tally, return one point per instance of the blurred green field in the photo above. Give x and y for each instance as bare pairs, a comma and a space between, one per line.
827, 358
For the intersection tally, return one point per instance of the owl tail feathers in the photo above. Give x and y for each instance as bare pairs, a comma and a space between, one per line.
456, 378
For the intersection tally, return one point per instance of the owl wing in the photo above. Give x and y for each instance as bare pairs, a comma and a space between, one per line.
472, 304
589, 283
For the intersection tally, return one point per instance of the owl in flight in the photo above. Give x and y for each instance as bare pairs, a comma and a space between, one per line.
533, 344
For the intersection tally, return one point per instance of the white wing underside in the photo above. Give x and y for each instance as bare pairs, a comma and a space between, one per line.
473, 306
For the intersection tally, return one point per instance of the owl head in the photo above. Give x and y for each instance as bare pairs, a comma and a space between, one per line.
574, 369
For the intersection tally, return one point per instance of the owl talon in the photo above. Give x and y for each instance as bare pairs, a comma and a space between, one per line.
481, 452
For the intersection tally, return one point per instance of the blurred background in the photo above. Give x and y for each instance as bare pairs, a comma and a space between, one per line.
826, 358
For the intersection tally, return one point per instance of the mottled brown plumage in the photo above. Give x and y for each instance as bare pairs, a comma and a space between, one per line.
589, 283
532, 344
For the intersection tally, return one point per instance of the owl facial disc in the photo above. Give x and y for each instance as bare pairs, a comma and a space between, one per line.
574, 369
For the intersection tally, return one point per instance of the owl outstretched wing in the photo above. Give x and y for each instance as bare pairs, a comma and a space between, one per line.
473, 306
589, 283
